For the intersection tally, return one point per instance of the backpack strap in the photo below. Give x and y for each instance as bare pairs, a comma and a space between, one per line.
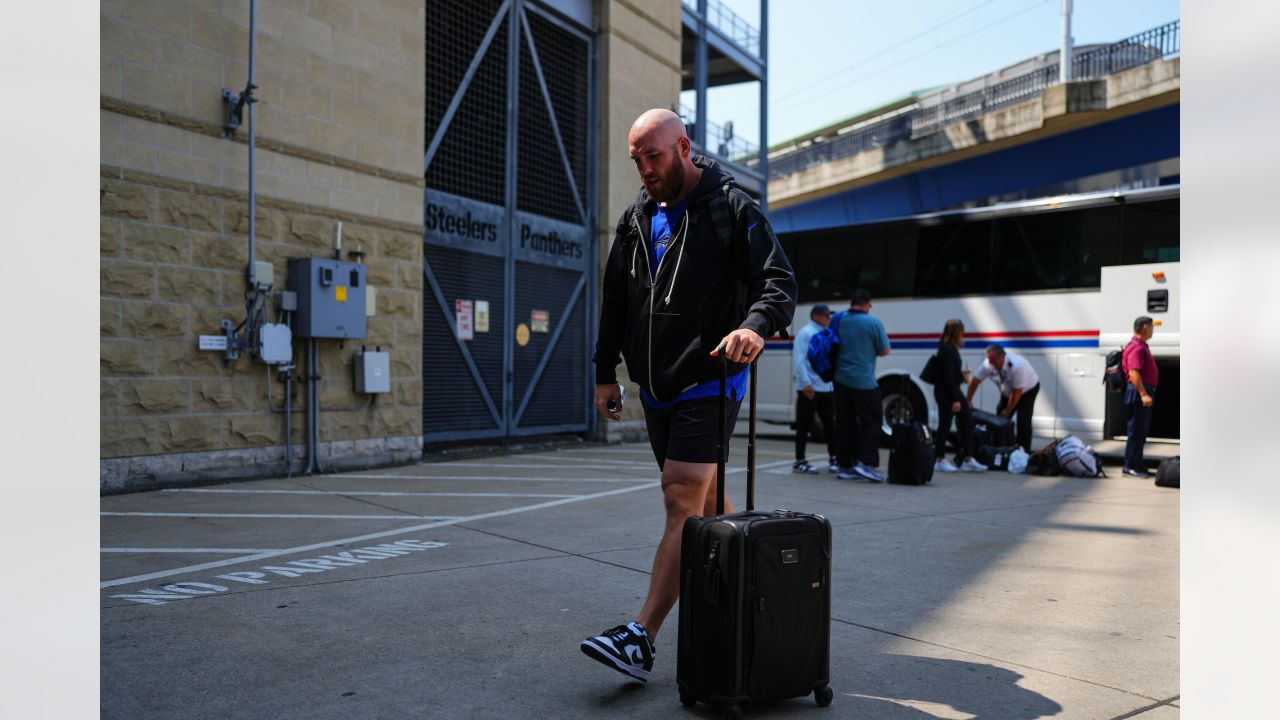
722, 214
624, 232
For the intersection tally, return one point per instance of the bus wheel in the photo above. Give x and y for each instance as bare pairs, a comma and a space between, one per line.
902, 402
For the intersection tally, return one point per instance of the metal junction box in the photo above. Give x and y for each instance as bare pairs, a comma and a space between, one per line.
373, 372
331, 298
275, 344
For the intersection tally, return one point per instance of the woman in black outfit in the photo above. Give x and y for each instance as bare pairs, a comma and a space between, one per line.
951, 403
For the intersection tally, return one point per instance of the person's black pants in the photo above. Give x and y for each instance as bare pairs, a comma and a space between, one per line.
859, 415
1024, 411
824, 404
1138, 427
964, 429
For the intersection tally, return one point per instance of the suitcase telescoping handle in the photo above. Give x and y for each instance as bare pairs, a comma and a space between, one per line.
723, 449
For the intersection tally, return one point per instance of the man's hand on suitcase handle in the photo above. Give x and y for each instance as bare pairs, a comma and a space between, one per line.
740, 346
609, 400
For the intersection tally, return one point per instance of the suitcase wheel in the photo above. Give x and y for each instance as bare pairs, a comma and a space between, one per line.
686, 698
733, 711
822, 695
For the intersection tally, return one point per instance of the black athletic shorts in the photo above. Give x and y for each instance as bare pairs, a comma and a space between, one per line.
687, 430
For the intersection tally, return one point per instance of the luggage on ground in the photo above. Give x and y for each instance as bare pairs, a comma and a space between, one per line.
992, 429
1078, 459
1167, 474
910, 454
755, 598
995, 457
1044, 461
1018, 460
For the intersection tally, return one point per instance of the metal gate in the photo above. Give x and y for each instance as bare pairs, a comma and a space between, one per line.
509, 261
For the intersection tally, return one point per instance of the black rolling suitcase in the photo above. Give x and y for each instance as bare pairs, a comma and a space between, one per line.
755, 599
992, 429
910, 454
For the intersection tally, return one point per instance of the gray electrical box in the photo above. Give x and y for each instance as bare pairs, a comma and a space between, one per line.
373, 372
275, 344
331, 298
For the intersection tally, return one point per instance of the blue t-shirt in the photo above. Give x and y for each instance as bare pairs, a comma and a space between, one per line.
862, 339
735, 388
666, 221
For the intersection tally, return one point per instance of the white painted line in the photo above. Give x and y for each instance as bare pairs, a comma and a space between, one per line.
939, 710
370, 536
527, 466
279, 516
628, 463
508, 478
207, 551
365, 492
396, 531
502, 478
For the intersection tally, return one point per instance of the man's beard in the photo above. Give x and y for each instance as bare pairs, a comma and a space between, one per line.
672, 183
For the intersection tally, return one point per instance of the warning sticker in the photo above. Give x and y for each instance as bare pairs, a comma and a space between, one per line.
463, 314
482, 316
540, 321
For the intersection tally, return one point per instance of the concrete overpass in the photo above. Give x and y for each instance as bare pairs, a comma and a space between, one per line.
1015, 132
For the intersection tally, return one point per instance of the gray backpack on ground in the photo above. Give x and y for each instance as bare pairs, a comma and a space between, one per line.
1078, 459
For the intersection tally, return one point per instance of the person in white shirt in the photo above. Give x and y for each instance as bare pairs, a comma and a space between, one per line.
1019, 385
812, 394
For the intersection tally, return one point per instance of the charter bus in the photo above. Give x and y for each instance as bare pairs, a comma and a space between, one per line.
1056, 280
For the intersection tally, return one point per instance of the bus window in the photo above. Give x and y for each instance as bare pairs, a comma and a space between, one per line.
954, 259
831, 263
1151, 232
1055, 251
882, 258
817, 277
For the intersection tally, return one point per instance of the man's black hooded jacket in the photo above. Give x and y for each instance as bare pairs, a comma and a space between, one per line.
665, 327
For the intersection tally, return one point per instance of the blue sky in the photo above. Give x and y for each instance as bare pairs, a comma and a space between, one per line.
829, 59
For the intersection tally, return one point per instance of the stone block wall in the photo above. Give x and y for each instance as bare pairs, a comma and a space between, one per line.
339, 133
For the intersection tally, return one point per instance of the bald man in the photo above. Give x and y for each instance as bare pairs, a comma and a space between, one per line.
694, 267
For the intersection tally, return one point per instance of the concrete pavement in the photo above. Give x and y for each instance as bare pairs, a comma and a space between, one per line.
462, 589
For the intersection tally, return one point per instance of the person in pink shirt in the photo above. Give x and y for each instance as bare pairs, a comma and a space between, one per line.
1143, 375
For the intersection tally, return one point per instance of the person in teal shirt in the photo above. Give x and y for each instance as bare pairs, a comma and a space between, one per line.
858, 410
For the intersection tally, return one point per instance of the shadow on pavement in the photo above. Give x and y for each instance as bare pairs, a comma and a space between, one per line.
1094, 528
919, 688
925, 687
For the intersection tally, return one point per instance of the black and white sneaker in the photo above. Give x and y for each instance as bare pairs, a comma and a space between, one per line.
804, 468
625, 648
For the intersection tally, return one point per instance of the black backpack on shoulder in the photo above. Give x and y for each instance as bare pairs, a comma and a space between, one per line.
929, 373
1114, 378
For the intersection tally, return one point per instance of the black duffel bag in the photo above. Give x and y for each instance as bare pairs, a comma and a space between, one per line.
1168, 475
994, 457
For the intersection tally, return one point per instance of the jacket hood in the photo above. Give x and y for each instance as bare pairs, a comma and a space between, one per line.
713, 177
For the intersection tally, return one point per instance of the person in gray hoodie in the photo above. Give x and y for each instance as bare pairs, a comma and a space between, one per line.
694, 270
813, 394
